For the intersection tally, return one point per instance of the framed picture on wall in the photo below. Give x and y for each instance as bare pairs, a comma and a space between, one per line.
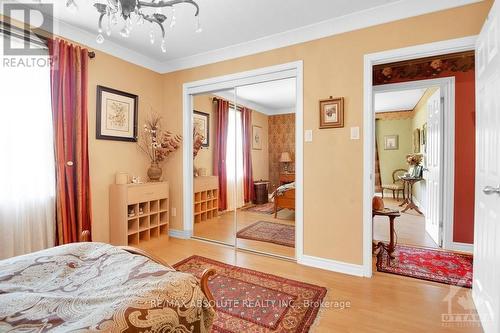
256, 137
331, 113
391, 142
416, 140
201, 124
116, 117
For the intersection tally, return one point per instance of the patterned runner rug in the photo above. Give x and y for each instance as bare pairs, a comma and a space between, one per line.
427, 264
252, 301
270, 232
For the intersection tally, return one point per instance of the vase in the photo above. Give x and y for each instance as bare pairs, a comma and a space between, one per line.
154, 172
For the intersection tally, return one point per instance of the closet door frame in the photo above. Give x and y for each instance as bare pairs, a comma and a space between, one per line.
232, 81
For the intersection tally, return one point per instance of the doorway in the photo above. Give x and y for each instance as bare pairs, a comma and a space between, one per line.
414, 160
223, 202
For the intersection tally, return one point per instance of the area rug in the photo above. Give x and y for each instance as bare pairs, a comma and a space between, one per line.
267, 208
270, 232
427, 264
252, 301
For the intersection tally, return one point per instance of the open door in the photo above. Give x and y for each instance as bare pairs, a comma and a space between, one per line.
486, 284
433, 175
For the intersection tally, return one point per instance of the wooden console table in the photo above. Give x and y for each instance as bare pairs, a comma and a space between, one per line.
391, 247
408, 190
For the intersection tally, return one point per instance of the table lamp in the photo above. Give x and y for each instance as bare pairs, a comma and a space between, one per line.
285, 158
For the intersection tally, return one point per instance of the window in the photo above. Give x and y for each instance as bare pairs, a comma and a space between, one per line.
234, 161
27, 171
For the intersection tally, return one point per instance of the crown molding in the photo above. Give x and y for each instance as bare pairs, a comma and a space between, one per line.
363, 19
88, 39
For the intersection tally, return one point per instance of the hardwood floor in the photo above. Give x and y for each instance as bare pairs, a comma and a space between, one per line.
410, 227
222, 228
384, 303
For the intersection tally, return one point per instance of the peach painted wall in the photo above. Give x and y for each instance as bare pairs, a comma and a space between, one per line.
333, 163
109, 157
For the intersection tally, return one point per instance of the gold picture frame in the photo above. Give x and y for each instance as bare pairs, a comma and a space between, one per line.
331, 113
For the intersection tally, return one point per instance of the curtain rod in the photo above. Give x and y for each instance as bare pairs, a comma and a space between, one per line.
238, 107
13, 31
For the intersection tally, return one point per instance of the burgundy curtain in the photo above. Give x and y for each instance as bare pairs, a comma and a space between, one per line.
378, 177
69, 111
222, 114
246, 117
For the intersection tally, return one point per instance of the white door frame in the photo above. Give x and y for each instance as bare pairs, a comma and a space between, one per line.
447, 84
370, 60
272, 73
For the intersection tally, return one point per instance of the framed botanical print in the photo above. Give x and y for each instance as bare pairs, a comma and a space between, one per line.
256, 137
116, 117
201, 124
331, 113
391, 142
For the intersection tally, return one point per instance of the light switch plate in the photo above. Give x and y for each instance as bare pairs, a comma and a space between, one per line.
308, 135
354, 133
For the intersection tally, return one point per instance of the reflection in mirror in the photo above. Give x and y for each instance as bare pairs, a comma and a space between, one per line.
266, 167
214, 214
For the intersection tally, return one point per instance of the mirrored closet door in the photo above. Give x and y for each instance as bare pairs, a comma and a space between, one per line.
265, 218
244, 167
213, 159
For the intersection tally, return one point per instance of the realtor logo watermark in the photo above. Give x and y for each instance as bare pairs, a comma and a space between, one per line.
21, 46
461, 310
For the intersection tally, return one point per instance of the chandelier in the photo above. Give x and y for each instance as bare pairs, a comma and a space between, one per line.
137, 12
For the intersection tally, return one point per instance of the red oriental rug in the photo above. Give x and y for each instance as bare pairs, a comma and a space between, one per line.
270, 232
427, 264
252, 301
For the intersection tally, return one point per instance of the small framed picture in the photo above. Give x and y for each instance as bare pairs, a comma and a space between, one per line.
116, 117
391, 142
256, 137
201, 124
416, 140
331, 113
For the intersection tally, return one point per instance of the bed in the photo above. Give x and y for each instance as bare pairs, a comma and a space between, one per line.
284, 197
98, 287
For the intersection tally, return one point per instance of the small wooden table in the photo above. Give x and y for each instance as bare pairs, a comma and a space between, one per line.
391, 247
408, 189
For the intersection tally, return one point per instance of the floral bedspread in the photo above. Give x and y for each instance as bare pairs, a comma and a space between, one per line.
97, 287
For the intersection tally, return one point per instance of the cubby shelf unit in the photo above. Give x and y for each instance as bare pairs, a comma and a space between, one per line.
206, 198
138, 212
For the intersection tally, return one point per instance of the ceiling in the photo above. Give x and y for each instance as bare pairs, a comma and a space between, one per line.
233, 28
404, 100
271, 98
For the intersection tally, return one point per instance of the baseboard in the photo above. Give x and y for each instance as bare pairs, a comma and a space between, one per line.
182, 234
462, 247
332, 265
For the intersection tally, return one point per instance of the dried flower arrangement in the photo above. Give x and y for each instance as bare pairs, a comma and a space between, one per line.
157, 144
414, 159
197, 143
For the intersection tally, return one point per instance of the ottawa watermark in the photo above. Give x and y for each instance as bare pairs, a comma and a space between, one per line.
461, 309
25, 28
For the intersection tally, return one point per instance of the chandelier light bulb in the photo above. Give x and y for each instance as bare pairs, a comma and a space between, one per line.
152, 37
198, 25
125, 32
100, 39
164, 46
114, 19
108, 30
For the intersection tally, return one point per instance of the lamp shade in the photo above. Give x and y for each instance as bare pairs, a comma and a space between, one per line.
285, 157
